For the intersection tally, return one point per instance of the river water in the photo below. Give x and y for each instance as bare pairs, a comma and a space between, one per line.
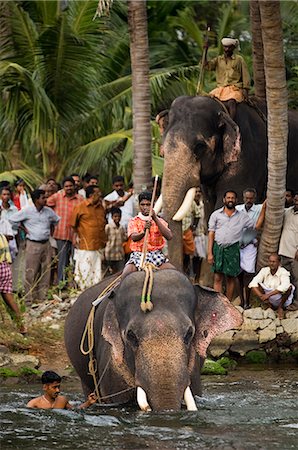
247, 409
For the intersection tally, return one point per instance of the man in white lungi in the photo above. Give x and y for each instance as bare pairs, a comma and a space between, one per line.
248, 245
88, 221
272, 285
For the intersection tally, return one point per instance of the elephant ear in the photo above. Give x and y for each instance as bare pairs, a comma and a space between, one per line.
231, 138
111, 333
214, 315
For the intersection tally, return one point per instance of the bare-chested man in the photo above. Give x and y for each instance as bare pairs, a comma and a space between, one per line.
51, 399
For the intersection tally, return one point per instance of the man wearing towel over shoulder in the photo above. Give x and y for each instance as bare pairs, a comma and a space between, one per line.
232, 76
248, 245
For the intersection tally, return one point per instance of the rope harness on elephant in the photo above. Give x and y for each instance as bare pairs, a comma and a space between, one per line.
89, 334
146, 303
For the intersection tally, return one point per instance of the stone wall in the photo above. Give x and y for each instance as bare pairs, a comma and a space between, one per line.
261, 330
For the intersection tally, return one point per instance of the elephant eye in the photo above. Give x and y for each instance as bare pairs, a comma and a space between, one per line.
132, 338
213, 316
189, 335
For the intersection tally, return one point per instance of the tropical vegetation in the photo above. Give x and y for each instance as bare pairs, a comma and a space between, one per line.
66, 88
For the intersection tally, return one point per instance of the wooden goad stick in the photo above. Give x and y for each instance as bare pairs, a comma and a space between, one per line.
145, 244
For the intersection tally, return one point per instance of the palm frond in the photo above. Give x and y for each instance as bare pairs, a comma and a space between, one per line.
31, 178
94, 153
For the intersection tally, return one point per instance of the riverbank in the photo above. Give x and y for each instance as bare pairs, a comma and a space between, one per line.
262, 339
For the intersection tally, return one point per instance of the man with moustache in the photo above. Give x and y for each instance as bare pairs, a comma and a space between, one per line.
248, 245
225, 230
232, 76
88, 220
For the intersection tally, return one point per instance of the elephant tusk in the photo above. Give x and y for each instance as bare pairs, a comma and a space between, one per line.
186, 205
142, 399
189, 400
158, 204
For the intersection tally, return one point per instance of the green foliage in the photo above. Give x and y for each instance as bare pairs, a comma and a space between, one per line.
256, 357
227, 363
211, 367
28, 371
5, 372
66, 79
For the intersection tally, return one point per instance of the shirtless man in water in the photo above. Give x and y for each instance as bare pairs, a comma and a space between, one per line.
52, 399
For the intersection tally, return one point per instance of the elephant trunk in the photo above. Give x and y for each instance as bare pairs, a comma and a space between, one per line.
163, 374
178, 162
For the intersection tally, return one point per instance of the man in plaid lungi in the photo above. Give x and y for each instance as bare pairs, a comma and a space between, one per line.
158, 233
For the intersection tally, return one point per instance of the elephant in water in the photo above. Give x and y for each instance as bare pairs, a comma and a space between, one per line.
153, 357
203, 145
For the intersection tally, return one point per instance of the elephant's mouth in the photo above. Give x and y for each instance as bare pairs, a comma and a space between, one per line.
144, 405
183, 209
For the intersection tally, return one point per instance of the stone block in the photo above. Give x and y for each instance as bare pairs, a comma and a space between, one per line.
294, 337
266, 335
3, 350
277, 322
290, 325
250, 324
272, 326
19, 360
5, 360
279, 330
269, 314
254, 313
243, 341
221, 344
263, 323
292, 314
236, 301
240, 309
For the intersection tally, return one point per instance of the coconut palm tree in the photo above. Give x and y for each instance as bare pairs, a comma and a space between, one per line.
277, 106
257, 50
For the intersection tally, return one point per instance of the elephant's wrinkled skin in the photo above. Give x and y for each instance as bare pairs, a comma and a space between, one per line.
201, 145
158, 350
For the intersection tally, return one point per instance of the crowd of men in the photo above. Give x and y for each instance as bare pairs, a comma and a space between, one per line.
56, 225
44, 230
232, 251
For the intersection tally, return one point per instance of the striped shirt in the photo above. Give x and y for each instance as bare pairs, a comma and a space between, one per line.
63, 207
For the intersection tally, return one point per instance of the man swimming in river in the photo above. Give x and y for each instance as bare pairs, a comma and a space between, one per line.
51, 399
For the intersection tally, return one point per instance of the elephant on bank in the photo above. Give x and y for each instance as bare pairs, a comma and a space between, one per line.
203, 145
156, 354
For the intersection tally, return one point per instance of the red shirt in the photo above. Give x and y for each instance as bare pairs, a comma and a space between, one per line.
156, 241
63, 207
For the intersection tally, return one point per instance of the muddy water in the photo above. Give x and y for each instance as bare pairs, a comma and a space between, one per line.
247, 409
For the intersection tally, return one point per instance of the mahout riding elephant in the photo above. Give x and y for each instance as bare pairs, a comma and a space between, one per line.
154, 356
203, 145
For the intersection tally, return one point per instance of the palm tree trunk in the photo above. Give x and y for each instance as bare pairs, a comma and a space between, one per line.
139, 52
15, 155
276, 93
257, 50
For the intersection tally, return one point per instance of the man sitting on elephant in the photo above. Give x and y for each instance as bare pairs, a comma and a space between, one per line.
232, 76
158, 232
226, 226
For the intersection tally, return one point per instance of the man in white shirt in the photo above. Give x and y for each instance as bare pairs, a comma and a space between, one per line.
120, 199
288, 246
248, 245
272, 285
